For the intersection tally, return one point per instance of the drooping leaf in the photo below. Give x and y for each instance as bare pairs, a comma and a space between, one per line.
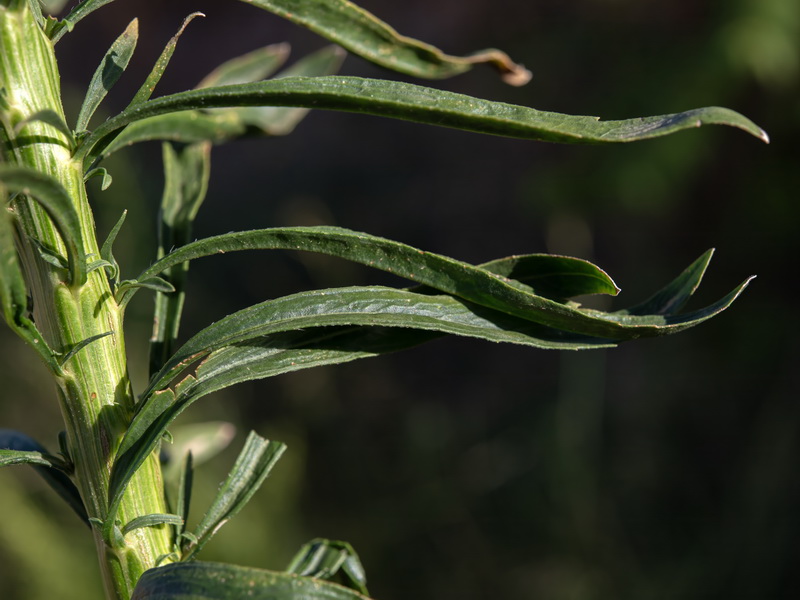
108, 72
56, 201
106, 178
419, 104
160, 66
199, 580
331, 560
224, 124
99, 264
50, 117
186, 173
364, 34
153, 520
157, 284
252, 467
441, 273
13, 291
83, 9
18, 448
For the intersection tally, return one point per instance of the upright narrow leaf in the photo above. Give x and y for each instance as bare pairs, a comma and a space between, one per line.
106, 251
157, 72
184, 499
225, 124
186, 173
252, 466
108, 72
364, 34
676, 294
331, 560
83, 9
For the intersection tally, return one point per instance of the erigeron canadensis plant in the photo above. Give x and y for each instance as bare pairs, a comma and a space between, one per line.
63, 293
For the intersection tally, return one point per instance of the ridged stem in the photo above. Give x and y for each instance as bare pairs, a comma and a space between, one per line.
95, 394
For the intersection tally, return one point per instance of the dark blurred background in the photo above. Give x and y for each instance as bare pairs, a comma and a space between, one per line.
662, 469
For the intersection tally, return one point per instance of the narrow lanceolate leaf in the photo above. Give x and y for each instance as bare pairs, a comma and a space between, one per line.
81, 345
245, 347
364, 34
253, 66
444, 274
674, 296
157, 72
331, 560
310, 329
159, 404
13, 292
106, 251
58, 205
254, 463
108, 72
215, 581
272, 120
419, 104
17, 448
184, 499
367, 306
186, 173
83, 9
225, 124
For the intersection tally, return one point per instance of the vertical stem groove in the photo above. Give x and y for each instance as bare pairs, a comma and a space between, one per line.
94, 391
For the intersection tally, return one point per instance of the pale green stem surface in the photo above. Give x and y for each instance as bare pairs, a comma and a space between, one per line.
94, 391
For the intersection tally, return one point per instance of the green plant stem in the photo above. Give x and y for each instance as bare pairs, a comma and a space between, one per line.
94, 390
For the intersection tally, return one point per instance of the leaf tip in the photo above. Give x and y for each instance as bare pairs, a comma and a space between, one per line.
517, 76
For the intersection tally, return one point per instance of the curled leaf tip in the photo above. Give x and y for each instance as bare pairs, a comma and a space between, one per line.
510, 72
189, 18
